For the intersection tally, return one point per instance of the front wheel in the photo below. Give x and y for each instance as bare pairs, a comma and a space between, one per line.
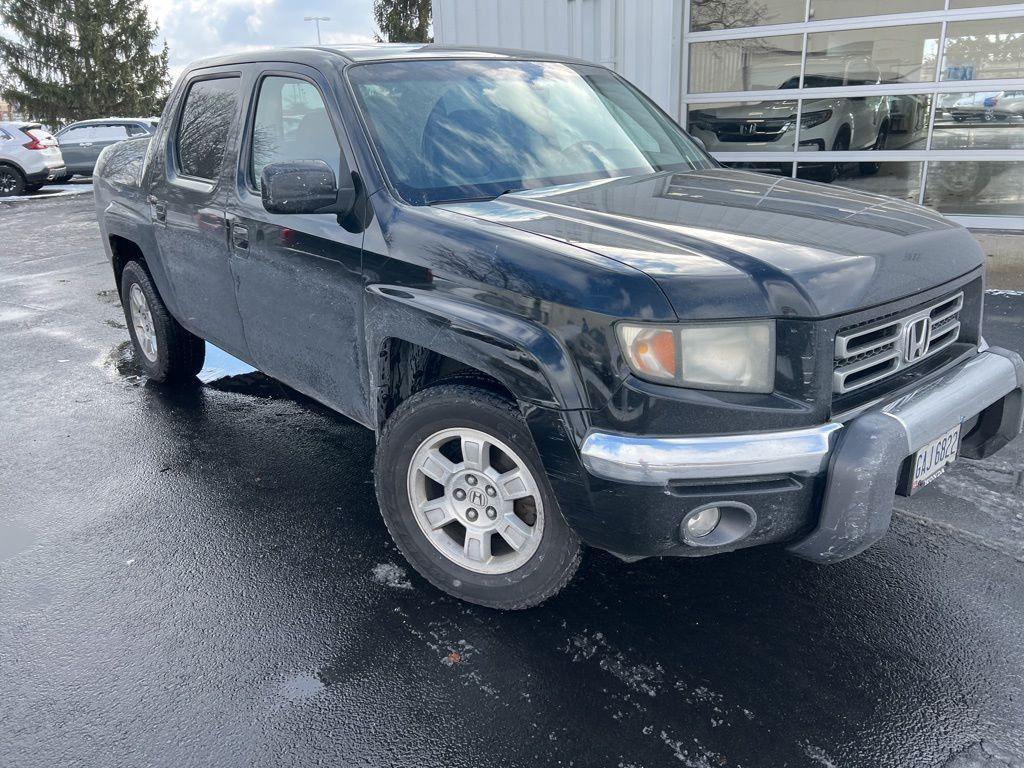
465, 497
166, 351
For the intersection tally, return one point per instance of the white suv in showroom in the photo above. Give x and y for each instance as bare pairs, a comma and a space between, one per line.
29, 158
836, 124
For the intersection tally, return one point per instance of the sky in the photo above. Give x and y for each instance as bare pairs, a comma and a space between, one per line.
196, 29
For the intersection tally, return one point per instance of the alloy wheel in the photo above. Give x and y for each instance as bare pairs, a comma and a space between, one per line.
8, 182
142, 322
476, 500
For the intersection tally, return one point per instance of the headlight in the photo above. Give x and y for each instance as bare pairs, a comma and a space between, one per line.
736, 357
812, 119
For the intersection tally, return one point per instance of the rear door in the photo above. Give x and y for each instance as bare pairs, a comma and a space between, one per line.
103, 137
75, 143
299, 285
187, 206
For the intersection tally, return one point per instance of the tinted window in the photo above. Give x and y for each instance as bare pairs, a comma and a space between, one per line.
291, 124
203, 129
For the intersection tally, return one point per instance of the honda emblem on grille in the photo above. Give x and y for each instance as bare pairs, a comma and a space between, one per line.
918, 335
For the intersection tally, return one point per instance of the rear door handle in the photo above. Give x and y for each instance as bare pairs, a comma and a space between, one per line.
239, 236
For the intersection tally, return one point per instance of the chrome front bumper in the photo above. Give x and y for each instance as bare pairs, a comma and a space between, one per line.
862, 457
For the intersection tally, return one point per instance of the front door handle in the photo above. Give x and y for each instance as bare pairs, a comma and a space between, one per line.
159, 208
239, 236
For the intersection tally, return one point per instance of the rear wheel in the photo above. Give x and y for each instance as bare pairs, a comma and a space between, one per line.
465, 497
12, 183
163, 347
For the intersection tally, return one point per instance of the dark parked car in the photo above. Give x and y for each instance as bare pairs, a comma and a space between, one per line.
82, 142
564, 321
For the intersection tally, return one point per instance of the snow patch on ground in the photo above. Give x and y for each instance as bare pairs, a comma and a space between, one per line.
1003, 292
391, 575
49, 192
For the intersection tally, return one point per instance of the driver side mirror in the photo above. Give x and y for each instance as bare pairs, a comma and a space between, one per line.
305, 186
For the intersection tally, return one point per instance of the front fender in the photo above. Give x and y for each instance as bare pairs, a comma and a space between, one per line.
524, 356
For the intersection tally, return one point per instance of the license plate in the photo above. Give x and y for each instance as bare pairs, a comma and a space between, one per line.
932, 460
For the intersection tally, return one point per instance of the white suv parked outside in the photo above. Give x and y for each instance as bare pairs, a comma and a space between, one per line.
29, 158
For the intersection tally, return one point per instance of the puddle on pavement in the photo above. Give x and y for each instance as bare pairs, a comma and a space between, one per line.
14, 540
221, 371
301, 687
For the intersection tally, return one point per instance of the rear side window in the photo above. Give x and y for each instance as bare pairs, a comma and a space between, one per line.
206, 119
110, 133
291, 124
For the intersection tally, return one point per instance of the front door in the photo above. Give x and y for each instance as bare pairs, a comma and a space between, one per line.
299, 286
187, 206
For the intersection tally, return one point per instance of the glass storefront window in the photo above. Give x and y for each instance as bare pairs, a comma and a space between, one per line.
872, 56
978, 3
862, 123
986, 49
745, 126
845, 9
900, 180
733, 14
749, 64
979, 120
975, 187
775, 169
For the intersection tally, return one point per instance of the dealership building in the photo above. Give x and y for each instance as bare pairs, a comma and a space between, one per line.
918, 99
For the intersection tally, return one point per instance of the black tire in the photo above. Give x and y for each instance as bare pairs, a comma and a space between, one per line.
462, 405
12, 182
33, 187
870, 169
179, 355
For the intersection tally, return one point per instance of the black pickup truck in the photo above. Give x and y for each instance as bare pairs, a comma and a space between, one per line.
566, 323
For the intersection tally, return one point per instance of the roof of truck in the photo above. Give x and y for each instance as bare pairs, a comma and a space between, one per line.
358, 53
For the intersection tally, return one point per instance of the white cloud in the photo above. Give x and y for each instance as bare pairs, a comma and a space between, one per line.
196, 29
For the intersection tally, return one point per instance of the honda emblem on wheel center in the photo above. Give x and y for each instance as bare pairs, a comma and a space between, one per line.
477, 497
918, 336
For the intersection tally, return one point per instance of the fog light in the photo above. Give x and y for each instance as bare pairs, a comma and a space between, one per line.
703, 521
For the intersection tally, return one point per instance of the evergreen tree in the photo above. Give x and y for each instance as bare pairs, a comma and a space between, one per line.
403, 21
78, 59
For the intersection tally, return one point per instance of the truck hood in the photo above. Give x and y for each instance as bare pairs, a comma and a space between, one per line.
724, 243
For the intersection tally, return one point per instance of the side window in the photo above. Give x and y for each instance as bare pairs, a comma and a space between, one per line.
110, 133
4, 135
76, 135
136, 130
291, 124
203, 129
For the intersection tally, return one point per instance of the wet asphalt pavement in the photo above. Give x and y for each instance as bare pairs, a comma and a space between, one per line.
202, 578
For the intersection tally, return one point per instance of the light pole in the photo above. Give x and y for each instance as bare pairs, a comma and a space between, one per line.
316, 20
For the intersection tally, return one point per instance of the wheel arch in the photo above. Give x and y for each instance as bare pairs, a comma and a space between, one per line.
417, 337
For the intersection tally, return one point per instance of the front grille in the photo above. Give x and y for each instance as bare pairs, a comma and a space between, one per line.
869, 352
762, 131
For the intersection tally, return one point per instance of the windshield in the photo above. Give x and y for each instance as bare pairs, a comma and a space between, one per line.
467, 130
